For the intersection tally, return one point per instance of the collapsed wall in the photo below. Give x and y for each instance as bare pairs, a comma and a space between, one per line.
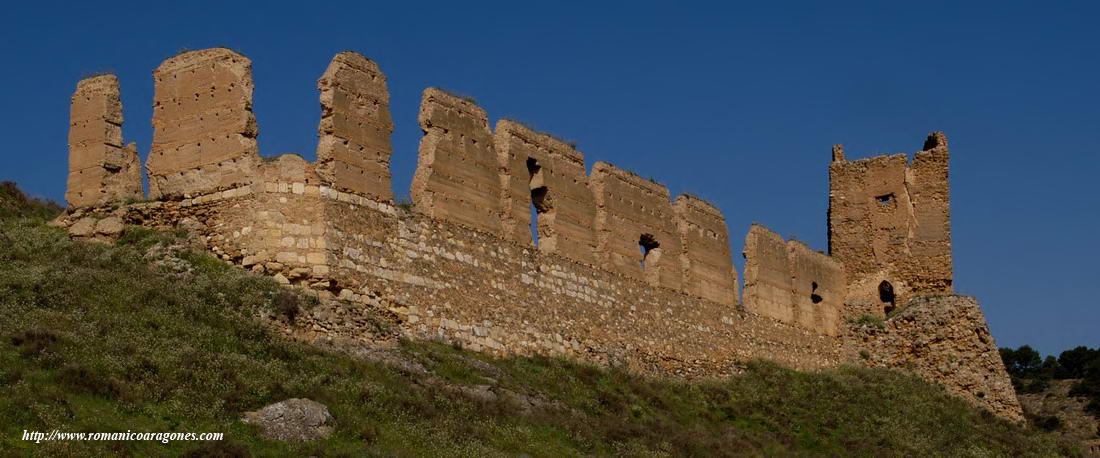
943, 339
791, 283
889, 224
540, 171
636, 228
707, 262
353, 153
204, 133
457, 175
101, 169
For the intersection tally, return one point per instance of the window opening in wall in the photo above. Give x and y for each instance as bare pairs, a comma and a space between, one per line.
539, 203
814, 297
886, 295
885, 199
648, 246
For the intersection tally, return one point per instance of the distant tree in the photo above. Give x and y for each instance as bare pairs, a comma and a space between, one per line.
1029, 372
1077, 363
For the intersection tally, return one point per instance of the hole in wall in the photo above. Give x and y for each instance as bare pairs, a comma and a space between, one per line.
649, 248
814, 297
539, 203
885, 199
886, 296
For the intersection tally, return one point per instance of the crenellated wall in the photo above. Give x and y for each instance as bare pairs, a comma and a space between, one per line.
707, 261
353, 153
636, 227
457, 177
620, 273
101, 169
204, 133
541, 171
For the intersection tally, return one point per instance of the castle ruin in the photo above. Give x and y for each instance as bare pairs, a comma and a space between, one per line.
620, 273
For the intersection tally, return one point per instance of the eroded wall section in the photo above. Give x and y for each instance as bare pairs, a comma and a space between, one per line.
889, 224
457, 177
767, 275
791, 283
542, 172
636, 227
101, 169
708, 267
353, 153
204, 132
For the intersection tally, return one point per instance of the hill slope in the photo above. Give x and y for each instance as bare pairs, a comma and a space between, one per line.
147, 336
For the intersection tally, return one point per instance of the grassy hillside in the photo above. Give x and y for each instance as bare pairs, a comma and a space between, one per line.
146, 336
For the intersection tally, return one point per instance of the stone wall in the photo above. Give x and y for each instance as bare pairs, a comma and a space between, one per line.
707, 261
101, 169
636, 227
457, 176
353, 153
889, 223
548, 174
790, 282
621, 275
943, 339
204, 133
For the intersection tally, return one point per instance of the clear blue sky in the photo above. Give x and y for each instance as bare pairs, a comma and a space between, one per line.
737, 103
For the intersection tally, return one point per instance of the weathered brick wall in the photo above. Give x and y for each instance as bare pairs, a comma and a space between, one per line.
543, 171
889, 222
101, 169
768, 290
353, 153
635, 214
204, 133
457, 176
790, 282
707, 262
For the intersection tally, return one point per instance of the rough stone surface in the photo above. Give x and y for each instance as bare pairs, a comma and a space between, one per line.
292, 420
353, 153
204, 132
707, 260
889, 221
945, 340
102, 169
636, 227
457, 177
544, 172
1075, 422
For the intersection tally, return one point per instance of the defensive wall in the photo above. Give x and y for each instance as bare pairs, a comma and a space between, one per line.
620, 273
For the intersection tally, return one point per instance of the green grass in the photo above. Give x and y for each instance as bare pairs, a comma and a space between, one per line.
98, 338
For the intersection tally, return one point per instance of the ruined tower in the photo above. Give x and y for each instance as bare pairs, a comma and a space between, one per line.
889, 223
101, 169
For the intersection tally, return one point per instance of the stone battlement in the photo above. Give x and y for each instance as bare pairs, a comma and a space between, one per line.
617, 270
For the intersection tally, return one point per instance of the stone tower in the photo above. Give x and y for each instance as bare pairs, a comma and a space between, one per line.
889, 223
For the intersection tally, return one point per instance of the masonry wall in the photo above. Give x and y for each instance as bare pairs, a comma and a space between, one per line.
790, 282
457, 176
621, 275
353, 153
632, 211
101, 168
541, 171
707, 262
446, 281
943, 339
204, 132
889, 222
